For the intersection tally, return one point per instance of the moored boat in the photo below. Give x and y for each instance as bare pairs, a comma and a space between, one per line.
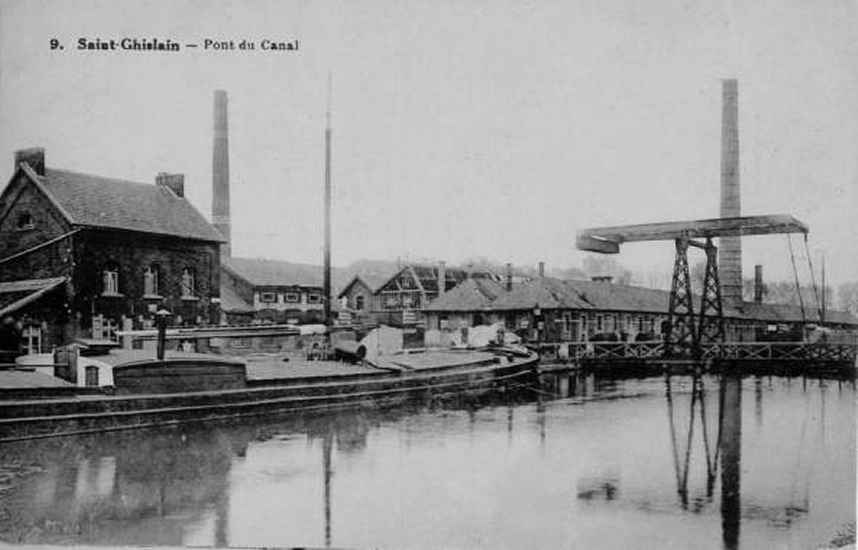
184, 388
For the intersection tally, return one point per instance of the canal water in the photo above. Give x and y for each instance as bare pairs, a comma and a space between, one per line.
563, 461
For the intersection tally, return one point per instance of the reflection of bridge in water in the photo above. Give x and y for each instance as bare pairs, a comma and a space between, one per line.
705, 429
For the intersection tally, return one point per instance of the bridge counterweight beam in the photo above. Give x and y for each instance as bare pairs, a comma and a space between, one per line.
711, 327
681, 339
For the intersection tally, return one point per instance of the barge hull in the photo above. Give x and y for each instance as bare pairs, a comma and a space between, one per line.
47, 418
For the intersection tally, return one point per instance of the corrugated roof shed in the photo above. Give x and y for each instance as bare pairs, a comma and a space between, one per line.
119, 204
259, 272
470, 295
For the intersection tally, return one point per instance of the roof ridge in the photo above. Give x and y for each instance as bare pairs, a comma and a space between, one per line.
97, 177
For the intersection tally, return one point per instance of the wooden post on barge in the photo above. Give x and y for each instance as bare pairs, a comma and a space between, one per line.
326, 290
161, 320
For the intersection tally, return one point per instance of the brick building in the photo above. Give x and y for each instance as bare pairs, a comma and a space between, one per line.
94, 254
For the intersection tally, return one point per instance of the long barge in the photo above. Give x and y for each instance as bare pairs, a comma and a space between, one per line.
195, 389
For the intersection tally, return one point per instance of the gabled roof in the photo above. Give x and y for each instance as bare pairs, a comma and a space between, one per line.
427, 275
259, 272
96, 201
372, 281
470, 295
16, 294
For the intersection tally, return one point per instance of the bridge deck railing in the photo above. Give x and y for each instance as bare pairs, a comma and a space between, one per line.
744, 351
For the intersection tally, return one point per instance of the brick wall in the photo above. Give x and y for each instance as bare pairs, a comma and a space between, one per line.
132, 252
21, 198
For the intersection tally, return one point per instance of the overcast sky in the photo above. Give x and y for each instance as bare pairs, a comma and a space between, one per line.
460, 128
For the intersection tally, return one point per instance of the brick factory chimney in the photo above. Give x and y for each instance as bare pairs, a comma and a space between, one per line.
442, 278
541, 269
220, 173
175, 182
508, 277
758, 284
34, 157
730, 253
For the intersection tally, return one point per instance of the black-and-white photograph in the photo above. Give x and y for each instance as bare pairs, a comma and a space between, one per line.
418, 274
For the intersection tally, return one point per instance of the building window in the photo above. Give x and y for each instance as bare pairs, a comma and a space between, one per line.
292, 297
600, 323
110, 280
359, 303
314, 299
150, 281
188, 283
24, 221
91, 376
609, 323
407, 300
268, 297
32, 337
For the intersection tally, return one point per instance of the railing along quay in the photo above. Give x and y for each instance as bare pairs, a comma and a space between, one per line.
730, 351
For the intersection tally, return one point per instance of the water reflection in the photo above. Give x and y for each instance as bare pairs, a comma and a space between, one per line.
559, 461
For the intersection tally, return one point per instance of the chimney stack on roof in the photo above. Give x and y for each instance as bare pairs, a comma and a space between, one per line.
442, 277
508, 276
174, 182
541, 269
602, 279
730, 248
220, 172
758, 284
34, 157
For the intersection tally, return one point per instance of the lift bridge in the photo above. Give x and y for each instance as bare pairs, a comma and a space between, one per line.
684, 338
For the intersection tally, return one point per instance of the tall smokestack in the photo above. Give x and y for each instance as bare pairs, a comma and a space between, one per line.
730, 254
442, 277
220, 173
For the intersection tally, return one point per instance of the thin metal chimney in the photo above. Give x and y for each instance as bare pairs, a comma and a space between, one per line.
220, 173
758, 284
541, 269
730, 253
508, 277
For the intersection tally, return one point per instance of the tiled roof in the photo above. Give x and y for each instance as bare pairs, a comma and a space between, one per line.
547, 292
790, 313
16, 294
609, 296
231, 302
118, 204
552, 293
470, 295
259, 272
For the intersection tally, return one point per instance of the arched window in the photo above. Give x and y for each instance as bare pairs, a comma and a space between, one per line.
110, 280
359, 303
151, 280
188, 283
